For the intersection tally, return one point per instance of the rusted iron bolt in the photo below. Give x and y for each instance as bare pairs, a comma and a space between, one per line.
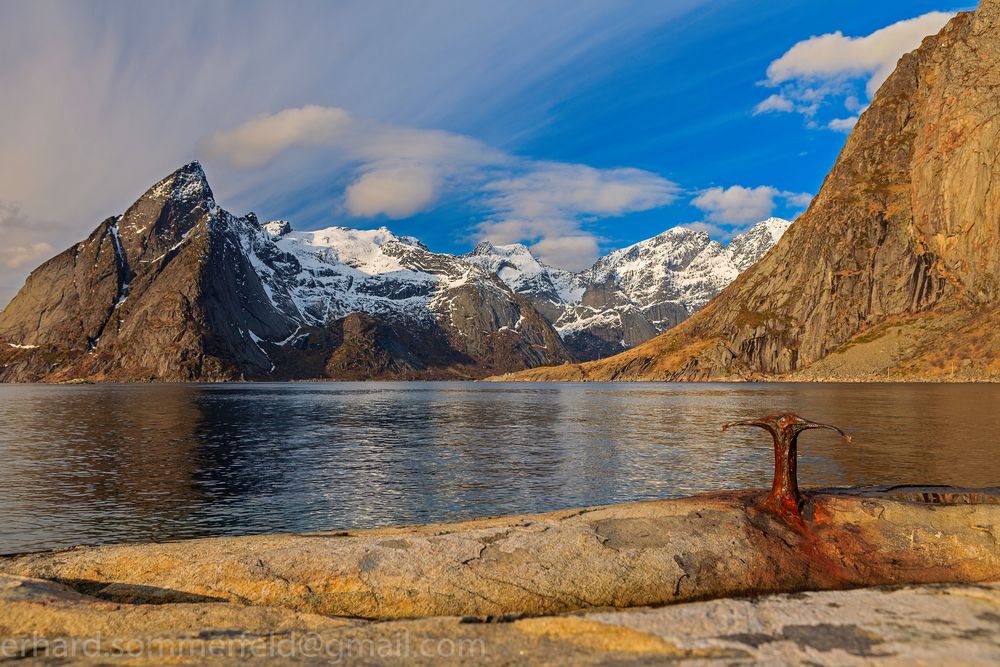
785, 427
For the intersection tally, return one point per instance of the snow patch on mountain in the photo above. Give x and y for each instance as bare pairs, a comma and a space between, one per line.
317, 277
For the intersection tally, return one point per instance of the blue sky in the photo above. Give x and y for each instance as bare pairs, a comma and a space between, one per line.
574, 126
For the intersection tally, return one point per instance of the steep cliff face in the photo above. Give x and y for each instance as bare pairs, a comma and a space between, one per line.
892, 271
178, 289
155, 293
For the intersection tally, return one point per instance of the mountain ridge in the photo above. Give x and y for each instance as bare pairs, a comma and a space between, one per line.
179, 289
629, 295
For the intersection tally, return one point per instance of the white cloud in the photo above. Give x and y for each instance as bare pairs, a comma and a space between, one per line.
775, 102
569, 252
843, 124
554, 190
738, 205
400, 169
257, 141
397, 192
830, 65
548, 203
875, 55
852, 103
14, 256
26, 242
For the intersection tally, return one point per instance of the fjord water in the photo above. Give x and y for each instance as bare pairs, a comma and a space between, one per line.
115, 463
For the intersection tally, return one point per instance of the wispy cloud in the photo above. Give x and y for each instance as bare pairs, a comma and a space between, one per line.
843, 124
401, 171
26, 242
24, 239
827, 70
775, 102
260, 139
739, 205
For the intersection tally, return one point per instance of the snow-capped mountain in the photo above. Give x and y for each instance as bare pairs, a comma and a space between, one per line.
632, 294
177, 288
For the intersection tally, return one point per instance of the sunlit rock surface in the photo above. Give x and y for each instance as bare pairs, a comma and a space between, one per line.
631, 555
559, 588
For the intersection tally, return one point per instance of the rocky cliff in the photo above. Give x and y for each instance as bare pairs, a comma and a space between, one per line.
177, 288
892, 270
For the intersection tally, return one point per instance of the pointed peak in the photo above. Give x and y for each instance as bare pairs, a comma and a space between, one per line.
683, 230
488, 249
171, 207
193, 167
187, 184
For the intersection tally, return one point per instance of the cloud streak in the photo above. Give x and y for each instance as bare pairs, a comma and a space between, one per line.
398, 192
259, 140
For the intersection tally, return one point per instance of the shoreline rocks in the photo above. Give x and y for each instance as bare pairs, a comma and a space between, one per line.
570, 587
638, 554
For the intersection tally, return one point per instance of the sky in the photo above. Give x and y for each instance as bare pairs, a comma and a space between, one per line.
572, 126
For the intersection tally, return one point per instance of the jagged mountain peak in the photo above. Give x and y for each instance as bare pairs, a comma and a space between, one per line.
187, 184
516, 255
166, 212
507, 249
484, 248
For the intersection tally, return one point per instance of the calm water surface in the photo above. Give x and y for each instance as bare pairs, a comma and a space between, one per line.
115, 463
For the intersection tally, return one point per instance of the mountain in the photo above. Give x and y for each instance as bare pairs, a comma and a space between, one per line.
892, 272
632, 294
177, 288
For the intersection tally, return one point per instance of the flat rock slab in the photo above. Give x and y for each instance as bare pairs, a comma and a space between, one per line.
633, 555
46, 623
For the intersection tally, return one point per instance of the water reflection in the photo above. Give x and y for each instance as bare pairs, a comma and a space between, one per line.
98, 464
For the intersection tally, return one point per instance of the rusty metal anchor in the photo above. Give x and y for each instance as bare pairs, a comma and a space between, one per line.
785, 427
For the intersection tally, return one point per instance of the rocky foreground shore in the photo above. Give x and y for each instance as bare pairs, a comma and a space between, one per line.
579, 585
